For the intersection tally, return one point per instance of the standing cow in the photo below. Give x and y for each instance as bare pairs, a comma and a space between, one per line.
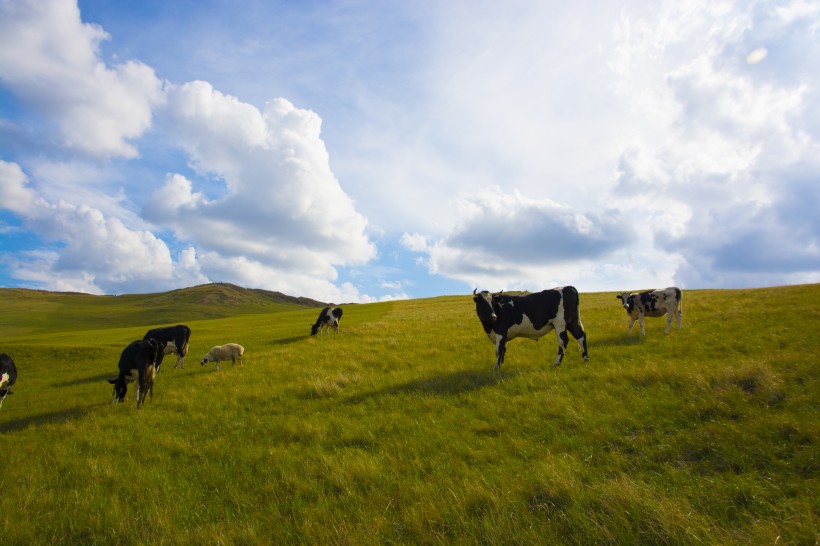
172, 339
137, 363
330, 316
506, 317
653, 303
8, 376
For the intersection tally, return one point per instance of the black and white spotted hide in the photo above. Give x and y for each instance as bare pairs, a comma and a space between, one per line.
505, 317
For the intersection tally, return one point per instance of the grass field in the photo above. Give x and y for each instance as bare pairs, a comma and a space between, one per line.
397, 431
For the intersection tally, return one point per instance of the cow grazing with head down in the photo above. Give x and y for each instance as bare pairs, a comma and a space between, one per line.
330, 316
505, 317
137, 363
653, 303
172, 339
8, 376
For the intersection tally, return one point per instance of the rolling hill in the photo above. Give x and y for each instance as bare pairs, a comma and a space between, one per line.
34, 311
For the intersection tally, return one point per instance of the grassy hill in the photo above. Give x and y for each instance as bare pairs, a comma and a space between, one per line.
32, 311
398, 431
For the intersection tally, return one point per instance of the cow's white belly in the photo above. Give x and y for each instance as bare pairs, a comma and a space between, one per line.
526, 329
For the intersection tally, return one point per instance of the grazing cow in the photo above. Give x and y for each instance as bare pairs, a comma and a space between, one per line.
330, 316
506, 317
172, 339
8, 376
653, 303
137, 362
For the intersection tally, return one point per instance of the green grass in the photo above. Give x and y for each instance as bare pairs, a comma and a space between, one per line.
398, 431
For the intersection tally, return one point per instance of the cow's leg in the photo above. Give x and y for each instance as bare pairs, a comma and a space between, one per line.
140, 392
678, 314
2, 398
500, 350
640, 319
631, 324
669, 320
217, 365
578, 333
563, 340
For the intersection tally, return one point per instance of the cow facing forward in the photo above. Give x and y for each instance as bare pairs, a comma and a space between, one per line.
330, 316
653, 303
172, 339
505, 317
8, 376
137, 363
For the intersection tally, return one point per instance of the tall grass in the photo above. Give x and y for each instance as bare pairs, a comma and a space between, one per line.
398, 431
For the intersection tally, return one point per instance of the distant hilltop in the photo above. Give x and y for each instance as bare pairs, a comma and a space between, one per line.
224, 293
29, 311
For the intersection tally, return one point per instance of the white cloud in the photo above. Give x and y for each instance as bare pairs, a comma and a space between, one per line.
92, 253
414, 242
282, 216
508, 238
50, 59
15, 193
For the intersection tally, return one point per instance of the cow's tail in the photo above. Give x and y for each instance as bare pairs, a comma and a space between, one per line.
679, 297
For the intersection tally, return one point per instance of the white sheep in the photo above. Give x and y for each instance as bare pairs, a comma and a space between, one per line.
230, 351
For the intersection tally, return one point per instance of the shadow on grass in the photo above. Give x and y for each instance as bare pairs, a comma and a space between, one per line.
442, 385
52, 417
288, 340
86, 380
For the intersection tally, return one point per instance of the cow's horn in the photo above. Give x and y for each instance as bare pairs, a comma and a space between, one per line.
474, 289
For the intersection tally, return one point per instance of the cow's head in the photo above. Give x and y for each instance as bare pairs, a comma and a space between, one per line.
121, 385
627, 300
484, 307
314, 328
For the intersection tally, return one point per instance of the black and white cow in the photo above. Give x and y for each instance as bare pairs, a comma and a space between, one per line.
8, 376
330, 316
172, 339
653, 303
137, 363
506, 317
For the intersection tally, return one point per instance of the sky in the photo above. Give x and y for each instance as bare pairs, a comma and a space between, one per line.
371, 150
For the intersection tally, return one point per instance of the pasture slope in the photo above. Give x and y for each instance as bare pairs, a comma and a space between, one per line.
397, 431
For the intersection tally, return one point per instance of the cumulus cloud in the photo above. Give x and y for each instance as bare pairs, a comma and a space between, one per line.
49, 58
515, 240
91, 253
282, 213
727, 169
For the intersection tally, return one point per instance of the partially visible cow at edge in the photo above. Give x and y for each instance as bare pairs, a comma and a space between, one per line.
505, 317
330, 316
653, 303
172, 339
8, 376
137, 363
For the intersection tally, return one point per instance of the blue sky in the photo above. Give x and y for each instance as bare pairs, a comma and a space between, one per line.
364, 151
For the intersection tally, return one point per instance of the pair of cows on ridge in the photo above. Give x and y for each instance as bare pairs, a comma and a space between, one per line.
505, 317
140, 360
